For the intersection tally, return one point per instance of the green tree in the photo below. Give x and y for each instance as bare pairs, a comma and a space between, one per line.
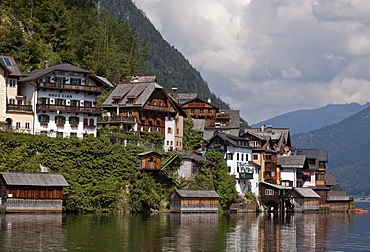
192, 138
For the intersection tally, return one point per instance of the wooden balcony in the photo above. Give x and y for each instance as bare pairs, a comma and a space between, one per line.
246, 175
116, 119
15, 108
70, 87
74, 109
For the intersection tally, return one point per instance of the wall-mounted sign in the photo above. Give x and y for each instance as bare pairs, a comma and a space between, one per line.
61, 95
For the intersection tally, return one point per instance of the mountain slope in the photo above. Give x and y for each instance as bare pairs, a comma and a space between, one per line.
302, 121
163, 60
348, 144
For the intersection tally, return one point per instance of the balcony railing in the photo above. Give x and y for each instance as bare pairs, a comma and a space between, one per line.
71, 87
19, 108
116, 119
75, 109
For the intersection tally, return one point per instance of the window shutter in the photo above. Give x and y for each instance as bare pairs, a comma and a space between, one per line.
56, 119
70, 119
47, 118
39, 118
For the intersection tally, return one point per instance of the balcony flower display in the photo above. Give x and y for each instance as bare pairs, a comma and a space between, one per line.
44, 123
89, 126
60, 124
74, 125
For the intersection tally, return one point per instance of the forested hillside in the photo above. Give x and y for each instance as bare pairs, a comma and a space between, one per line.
163, 60
302, 121
348, 144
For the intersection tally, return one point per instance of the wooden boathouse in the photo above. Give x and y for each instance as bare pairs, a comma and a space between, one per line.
31, 192
194, 201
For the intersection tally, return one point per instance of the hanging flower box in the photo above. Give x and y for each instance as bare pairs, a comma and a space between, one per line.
44, 123
74, 125
60, 124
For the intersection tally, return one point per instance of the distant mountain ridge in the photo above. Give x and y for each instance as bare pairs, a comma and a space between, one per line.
302, 121
348, 145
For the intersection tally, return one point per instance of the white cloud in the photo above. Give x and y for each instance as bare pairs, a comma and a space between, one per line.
269, 57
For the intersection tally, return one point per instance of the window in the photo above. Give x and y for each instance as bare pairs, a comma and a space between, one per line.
209, 111
168, 142
192, 111
12, 82
201, 111
229, 168
47, 79
178, 131
169, 130
267, 156
18, 125
60, 80
59, 102
19, 102
152, 159
74, 103
255, 156
72, 134
60, 134
171, 142
287, 183
27, 125
43, 100
86, 121
149, 129
44, 118
92, 122
75, 81
237, 156
6, 61
320, 176
74, 121
88, 104
158, 129
253, 143
11, 101
269, 192
229, 156
242, 156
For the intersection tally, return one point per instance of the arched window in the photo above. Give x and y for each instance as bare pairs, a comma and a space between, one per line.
86, 122
91, 122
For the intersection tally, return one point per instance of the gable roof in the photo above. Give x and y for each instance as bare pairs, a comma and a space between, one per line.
34, 179
181, 98
11, 65
234, 117
280, 187
330, 180
292, 161
304, 192
233, 140
198, 99
143, 154
183, 193
338, 196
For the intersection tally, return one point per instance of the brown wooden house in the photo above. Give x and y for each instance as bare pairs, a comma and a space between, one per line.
150, 161
302, 199
194, 201
32, 192
338, 201
271, 195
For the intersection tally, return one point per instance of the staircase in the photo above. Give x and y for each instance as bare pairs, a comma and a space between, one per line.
165, 165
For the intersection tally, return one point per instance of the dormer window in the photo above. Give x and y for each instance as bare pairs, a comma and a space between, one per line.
130, 101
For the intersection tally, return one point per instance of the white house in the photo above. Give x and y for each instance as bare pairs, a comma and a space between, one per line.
238, 157
64, 100
291, 170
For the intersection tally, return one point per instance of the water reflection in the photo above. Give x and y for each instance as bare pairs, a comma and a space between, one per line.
180, 232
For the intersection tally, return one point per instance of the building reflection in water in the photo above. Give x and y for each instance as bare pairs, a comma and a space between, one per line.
41, 232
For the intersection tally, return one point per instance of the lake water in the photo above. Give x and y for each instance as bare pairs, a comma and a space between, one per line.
186, 232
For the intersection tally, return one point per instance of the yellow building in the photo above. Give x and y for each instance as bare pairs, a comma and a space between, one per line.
15, 109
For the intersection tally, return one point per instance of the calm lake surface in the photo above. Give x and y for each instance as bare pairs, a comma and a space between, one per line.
186, 232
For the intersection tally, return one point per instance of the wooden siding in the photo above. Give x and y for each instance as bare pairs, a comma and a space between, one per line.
34, 192
29, 205
150, 162
194, 205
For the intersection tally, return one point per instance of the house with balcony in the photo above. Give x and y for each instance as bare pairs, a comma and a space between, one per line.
238, 157
206, 114
292, 169
148, 108
64, 100
15, 98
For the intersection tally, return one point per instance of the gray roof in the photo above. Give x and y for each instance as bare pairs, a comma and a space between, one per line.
41, 72
104, 80
12, 67
233, 140
338, 196
140, 92
330, 180
34, 179
280, 187
306, 192
321, 155
183, 97
292, 161
196, 158
197, 193
234, 117
199, 124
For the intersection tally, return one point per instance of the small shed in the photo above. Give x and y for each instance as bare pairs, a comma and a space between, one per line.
302, 199
32, 192
338, 201
190, 166
271, 195
194, 201
150, 161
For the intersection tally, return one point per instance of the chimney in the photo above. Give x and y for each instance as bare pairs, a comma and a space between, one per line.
46, 64
209, 100
262, 127
174, 90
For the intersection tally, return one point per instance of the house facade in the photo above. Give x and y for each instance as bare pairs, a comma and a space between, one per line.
64, 100
150, 109
16, 112
238, 157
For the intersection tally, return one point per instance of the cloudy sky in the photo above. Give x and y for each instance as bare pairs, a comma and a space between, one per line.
270, 57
